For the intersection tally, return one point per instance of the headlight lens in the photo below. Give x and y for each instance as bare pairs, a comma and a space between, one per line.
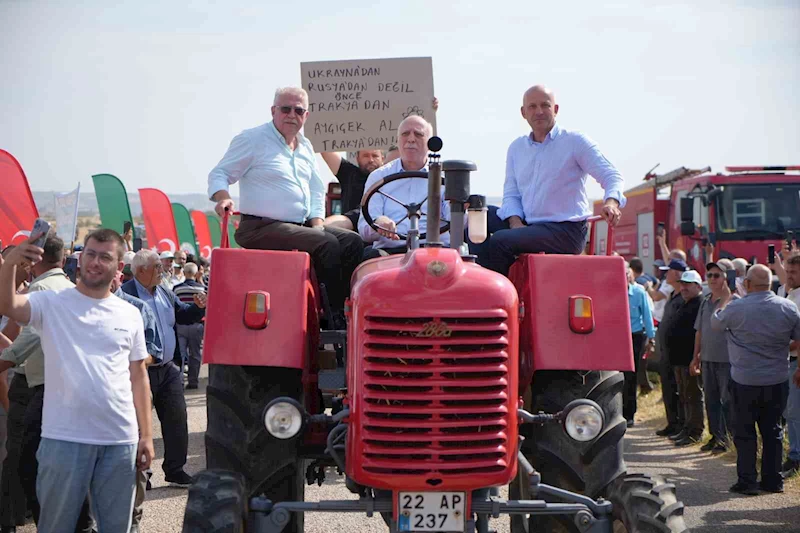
584, 423
283, 420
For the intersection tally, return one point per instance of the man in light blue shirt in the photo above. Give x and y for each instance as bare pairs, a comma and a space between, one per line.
413, 134
544, 196
642, 330
282, 195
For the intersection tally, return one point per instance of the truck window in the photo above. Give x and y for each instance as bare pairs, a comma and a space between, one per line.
758, 210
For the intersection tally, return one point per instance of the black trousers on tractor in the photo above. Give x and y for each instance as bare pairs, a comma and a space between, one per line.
334, 252
631, 382
763, 406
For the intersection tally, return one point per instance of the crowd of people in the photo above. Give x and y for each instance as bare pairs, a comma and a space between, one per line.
726, 349
79, 450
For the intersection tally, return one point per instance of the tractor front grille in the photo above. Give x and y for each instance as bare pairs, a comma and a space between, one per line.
436, 395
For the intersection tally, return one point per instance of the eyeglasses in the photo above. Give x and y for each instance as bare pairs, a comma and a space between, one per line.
286, 109
714, 275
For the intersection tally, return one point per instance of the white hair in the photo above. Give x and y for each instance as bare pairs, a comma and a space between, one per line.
294, 91
741, 266
190, 270
143, 259
428, 127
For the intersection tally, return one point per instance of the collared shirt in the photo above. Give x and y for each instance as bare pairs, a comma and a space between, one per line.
641, 312
27, 347
759, 328
162, 306
679, 334
794, 296
405, 190
277, 182
151, 337
658, 307
713, 342
185, 291
546, 182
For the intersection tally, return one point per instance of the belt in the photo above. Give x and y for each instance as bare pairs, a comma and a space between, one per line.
267, 219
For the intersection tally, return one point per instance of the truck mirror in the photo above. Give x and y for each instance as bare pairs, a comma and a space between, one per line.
687, 211
687, 228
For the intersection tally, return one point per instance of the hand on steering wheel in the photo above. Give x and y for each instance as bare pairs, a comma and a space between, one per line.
387, 228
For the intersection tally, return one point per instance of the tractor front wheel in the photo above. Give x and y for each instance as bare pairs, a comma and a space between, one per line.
217, 503
645, 504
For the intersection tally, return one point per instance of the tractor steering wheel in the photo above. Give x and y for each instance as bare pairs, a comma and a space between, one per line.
410, 208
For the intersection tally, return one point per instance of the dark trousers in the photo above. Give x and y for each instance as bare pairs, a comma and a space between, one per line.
690, 396
335, 253
373, 253
548, 237
166, 384
629, 398
761, 405
13, 504
669, 388
190, 339
29, 465
716, 390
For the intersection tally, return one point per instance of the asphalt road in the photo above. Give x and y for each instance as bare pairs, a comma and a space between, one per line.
702, 482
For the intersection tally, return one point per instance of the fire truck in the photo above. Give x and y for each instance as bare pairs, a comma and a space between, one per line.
456, 381
740, 212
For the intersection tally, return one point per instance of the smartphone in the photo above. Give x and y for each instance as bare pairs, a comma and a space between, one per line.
789, 238
661, 229
704, 241
126, 227
40, 226
771, 254
731, 275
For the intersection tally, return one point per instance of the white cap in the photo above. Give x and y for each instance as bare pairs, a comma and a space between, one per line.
166, 255
691, 276
127, 258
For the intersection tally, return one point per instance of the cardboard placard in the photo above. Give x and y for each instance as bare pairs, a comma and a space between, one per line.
357, 105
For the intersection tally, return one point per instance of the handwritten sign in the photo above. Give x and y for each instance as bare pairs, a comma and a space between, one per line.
357, 105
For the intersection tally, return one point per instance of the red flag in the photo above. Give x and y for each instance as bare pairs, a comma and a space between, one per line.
202, 232
162, 235
17, 208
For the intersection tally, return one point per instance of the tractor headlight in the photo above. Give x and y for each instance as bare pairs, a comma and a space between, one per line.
283, 418
583, 420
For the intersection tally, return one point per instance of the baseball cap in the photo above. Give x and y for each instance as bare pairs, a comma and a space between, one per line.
127, 258
678, 264
166, 255
691, 276
714, 264
660, 264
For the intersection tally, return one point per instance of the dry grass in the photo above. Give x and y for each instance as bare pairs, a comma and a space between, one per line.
650, 408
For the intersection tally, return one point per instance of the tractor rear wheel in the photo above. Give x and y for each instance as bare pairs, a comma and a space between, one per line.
236, 439
586, 468
217, 503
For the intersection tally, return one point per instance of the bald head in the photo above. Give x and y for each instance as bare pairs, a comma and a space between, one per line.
412, 140
759, 279
539, 109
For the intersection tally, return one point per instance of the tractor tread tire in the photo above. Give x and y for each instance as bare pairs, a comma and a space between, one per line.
237, 440
216, 503
646, 504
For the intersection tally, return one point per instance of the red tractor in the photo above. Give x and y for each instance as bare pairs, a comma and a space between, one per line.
455, 381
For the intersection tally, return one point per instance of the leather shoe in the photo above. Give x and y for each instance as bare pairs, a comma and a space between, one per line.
629, 423
708, 446
777, 489
744, 488
179, 478
678, 436
687, 441
669, 430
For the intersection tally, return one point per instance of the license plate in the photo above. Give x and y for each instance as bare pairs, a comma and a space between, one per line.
431, 511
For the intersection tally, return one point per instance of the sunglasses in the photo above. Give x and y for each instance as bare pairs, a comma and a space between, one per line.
714, 275
286, 109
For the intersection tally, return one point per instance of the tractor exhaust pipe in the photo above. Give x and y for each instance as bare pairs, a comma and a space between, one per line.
433, 236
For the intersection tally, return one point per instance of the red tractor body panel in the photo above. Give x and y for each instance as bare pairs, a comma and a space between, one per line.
547, 340
290, 338
432, 374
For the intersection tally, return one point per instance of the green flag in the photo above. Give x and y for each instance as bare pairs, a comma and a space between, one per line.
112, 200
214, 228
183, 222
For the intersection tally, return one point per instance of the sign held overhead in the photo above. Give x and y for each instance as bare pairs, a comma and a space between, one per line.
357, 105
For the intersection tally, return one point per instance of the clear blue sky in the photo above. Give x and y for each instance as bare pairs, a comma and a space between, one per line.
154, 91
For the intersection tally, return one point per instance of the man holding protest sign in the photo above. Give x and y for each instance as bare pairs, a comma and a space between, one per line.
282, 196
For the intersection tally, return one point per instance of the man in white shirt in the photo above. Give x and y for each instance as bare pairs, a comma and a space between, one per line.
544, 196
282, 196
97, 425
413, 134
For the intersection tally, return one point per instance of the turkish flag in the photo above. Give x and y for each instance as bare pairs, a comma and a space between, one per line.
202, 232
17, 208
159, 222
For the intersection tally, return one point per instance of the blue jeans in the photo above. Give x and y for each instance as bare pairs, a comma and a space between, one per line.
792, 416
70, 470
718, 398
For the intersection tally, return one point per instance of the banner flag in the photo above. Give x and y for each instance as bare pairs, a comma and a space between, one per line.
159, 222
67, 215
17, 208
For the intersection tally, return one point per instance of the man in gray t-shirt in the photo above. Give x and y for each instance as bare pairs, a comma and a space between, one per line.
759, 328
711, 354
